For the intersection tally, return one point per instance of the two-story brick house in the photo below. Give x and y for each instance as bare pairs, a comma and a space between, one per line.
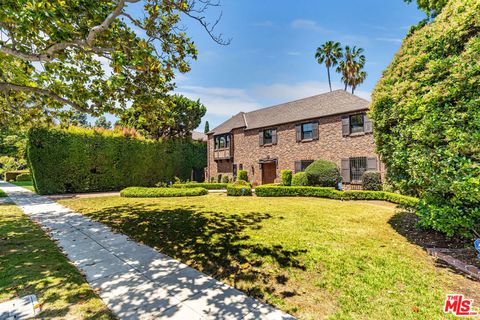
332, 126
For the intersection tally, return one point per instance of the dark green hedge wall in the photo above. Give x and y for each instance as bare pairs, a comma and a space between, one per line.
86, 160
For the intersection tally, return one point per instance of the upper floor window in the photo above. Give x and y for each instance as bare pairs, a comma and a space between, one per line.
307, 131
222, 141
267, 137
356, 123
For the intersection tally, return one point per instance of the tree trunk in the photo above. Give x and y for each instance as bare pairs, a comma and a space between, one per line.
329, 82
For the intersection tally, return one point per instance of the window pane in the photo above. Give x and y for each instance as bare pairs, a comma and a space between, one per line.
307, 131
357, 167
305, 164
356, 123
227, 141
267, 136
222, 142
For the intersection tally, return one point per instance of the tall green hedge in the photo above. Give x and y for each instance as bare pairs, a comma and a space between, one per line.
426, 112
86, 160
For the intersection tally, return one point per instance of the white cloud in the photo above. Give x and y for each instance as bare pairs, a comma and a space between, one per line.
394, 40
307, 25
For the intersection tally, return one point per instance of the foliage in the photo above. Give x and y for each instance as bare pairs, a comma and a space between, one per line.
12, 175
431, 7
323, 173
102, 122
351, 67
329, 53
13, 142
86, 160
142, 192
208, 186
76, 118
225, 179
2, 194
33, 264
94, 56
286, 177
242, 175
299, 179
372, 180
169, 116
207, 127
24, 177
426, 111
331, 193
236, 190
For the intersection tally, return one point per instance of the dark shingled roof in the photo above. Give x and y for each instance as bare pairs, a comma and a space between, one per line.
322, 105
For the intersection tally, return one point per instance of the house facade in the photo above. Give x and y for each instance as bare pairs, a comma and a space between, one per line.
332, 126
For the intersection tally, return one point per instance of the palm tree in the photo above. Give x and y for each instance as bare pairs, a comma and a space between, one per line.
329, 53
351, 67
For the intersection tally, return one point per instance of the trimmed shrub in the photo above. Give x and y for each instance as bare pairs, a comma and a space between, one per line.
323, 173
87, 160
2, 194
299, 179
235, 189
142, 192
12, 175
372, 180
24, 177
425, 112
219, 178
208, 186
331, 193
242, 175
286, 177
225, 179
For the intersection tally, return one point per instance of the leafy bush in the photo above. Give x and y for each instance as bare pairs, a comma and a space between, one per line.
225, 179
142, 192
2, 194
299, 179
242, 175
331, 193
219, 178
235, 189
12, 175
426, 113
323, 173
24, 177
372, 180
208, 186
85, 160
286, 177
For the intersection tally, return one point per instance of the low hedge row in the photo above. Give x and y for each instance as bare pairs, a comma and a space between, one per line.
12, 175
206, 185
239, 190
143, 192
331, 193
2, 194
24, 177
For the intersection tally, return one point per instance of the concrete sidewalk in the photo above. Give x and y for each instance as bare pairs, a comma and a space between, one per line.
134, 280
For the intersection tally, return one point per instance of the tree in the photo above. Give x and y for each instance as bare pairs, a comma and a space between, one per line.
102, 122
56, 55
207, 127
329, 53
431, 7
78, 119
351, 67
426, 116
172, 116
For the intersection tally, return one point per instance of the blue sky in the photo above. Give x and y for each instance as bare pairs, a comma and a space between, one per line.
271, 56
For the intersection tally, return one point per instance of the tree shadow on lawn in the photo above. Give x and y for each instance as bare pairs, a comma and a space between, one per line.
406, 224
213, 242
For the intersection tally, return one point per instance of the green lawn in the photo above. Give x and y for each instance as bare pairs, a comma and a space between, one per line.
30, 263
25, 184
314, 258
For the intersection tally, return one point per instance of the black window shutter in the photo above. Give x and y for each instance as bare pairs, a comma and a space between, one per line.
298, 166
345, 126
298, 130
274, 136
315, 131
367, 124
372, 164
260, 137
346, 170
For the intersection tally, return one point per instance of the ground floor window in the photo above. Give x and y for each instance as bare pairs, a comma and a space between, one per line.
358, 166
301, 165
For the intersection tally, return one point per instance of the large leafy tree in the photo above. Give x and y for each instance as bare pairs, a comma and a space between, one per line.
329, 53
92, 56
171, 116
351, 67
431, 7
426, 112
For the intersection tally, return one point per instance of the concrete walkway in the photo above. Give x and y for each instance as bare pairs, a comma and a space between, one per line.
134, 280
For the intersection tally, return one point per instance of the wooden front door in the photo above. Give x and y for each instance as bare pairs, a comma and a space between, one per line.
269, 172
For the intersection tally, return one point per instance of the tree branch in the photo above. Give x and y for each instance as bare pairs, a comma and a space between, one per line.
5, 86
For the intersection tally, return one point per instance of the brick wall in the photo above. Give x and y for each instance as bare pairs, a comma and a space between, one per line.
331, 145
